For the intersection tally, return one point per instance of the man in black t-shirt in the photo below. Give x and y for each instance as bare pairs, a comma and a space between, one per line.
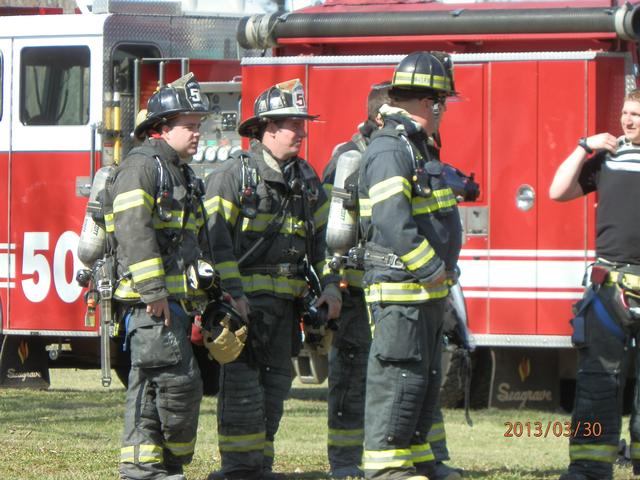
607, 319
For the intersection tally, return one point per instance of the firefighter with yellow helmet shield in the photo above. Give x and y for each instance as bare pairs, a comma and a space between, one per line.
267, 217
413, 240
153, 220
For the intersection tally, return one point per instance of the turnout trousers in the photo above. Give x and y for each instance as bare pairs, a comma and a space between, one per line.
437, 436
403, 383
603, 363
163, 396
347, 377
253, 389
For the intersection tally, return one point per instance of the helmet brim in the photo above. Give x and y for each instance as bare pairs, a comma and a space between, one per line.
250, 125
153, 121
412, 88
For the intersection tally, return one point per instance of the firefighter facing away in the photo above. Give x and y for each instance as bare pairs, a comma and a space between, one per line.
606, 321
412, 233
267, 217
155, 220
351, 342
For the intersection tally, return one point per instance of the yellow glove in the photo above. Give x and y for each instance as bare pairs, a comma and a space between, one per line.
228, 345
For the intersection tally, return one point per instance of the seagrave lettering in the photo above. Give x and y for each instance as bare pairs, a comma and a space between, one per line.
11, 373
505, 394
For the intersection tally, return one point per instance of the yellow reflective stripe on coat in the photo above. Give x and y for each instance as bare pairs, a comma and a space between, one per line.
292, 287
413, 79
439, 199
176, 222
181, 449
422, 453
175, 284
634, 448
322, 268
380, 459
338, 437
141, 454
437, 433
151, 268
365, 207
419, 256
385, 189
353, 277
321, 215
290, 226
109, 224
228, 270
223, 207
268, 449
125, 290
241, 443
133, 199
593, 452
404, 292
445, 197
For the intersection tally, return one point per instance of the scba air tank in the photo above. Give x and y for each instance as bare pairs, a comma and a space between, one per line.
93, 237
342, 225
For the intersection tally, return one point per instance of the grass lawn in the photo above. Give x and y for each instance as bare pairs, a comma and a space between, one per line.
72, 431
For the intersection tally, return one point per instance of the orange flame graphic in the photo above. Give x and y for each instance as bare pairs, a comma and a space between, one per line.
23, 351
524, 368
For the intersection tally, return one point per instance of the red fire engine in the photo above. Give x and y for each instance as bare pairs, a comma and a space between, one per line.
70, 89
533, 77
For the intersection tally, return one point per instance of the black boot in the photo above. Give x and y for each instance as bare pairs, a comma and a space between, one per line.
440, 471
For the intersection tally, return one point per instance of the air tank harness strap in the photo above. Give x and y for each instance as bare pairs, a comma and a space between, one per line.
607, 320
164, 201
591, 298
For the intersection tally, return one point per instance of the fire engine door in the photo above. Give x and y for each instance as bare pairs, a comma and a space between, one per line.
57, 96
6, 265
535, 257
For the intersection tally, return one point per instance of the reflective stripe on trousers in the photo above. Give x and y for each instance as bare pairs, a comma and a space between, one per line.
163, 396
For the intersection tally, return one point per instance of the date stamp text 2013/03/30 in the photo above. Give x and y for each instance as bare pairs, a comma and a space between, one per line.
550, 428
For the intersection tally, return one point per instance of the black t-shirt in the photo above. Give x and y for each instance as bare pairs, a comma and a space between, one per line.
616, 178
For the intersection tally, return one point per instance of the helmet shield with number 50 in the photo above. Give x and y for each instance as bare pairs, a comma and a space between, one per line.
182, 96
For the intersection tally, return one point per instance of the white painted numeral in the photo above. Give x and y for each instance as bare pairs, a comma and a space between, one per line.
37, 287
36, 267
68, 289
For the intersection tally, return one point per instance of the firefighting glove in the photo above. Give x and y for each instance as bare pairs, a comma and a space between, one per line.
223, 343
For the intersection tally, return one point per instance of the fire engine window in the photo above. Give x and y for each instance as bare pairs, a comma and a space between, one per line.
122, 61
54, 88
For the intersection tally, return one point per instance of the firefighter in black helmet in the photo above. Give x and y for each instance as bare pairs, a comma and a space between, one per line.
413, 235
267, 218
153, 218
425, 71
